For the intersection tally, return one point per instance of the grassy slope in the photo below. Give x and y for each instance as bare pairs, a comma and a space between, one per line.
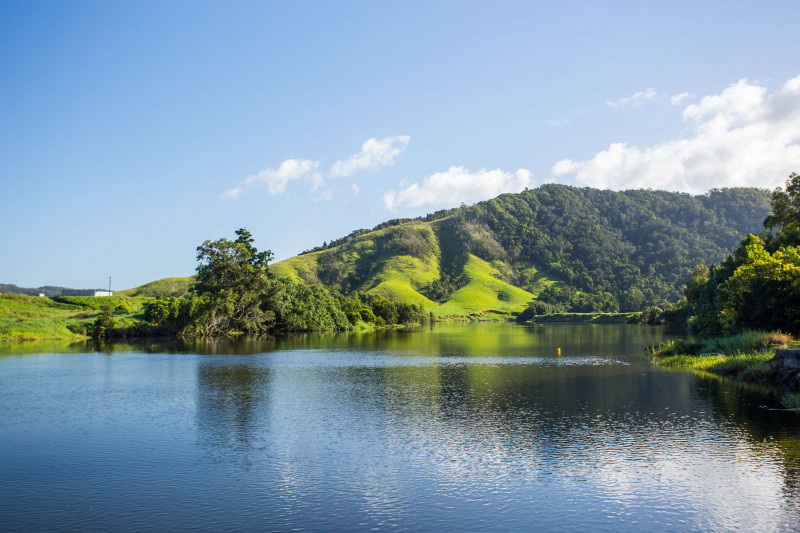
401, 277
25, 318
161, 287
485, 292
31, 317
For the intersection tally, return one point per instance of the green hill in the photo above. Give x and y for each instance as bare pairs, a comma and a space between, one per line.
575, 249
161, 287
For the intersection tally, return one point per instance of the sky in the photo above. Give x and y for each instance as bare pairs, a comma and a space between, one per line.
131, 132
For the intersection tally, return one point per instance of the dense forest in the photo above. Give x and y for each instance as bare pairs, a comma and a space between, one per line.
756, 288
572, 249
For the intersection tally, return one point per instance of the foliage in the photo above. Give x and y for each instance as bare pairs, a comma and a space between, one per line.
235, 292
759, 286
105, 322
744, 342
91, 302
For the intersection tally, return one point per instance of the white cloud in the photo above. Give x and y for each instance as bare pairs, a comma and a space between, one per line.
275, 180
634, 100
456, 185
739, 137
676, 99
374, 153
355, 189
558, 122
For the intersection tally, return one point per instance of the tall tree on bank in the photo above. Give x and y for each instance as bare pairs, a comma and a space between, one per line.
234, 286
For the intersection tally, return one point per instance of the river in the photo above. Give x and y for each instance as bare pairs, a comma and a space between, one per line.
482, 427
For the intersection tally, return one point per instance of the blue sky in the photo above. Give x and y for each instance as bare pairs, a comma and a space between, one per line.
132, 131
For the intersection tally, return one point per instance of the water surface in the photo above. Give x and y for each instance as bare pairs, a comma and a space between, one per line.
472, 428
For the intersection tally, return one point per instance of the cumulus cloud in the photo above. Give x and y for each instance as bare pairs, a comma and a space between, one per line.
456, 185
275, 180
739, 137
374, 153
635, 100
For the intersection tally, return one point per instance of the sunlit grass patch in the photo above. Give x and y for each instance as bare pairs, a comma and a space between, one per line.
161, 287
743, 343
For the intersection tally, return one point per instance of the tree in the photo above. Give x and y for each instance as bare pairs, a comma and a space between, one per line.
105, 322
233, 287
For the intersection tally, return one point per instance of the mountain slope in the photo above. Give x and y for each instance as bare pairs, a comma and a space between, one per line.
587, 250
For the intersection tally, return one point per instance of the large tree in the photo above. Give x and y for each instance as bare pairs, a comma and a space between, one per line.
234, 284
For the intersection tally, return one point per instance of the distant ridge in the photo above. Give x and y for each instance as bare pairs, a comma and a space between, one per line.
47, 290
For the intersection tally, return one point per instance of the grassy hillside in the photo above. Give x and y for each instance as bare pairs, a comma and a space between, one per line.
595, 250
408, 262
24, 318
161, 287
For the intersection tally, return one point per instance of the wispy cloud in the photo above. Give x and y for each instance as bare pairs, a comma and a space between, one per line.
374, 153
275, 180
677, 99
558, 122
456, 185
739, 137
635, 100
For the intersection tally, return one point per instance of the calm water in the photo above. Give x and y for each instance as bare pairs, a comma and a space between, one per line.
469, 428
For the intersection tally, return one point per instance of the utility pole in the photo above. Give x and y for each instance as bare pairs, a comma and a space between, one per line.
109, 285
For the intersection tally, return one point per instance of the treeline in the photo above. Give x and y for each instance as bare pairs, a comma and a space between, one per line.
235, 292
620, 251
756, 288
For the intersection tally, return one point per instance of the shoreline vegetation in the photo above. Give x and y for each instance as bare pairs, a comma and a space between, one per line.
738, 308
744, 357
26, 318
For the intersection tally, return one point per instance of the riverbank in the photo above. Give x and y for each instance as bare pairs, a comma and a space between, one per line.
25, 319
588, 318
744, 357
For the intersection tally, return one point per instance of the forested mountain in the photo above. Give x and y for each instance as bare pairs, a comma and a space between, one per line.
578, 249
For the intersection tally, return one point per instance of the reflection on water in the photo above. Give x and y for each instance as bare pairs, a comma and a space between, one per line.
480, 427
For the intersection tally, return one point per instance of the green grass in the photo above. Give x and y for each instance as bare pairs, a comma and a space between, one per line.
485, 292
752, 367
743, 343
26, 318
403, 277
743, 357
161, 287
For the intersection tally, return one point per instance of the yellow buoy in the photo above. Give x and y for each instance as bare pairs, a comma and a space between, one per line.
559, 352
